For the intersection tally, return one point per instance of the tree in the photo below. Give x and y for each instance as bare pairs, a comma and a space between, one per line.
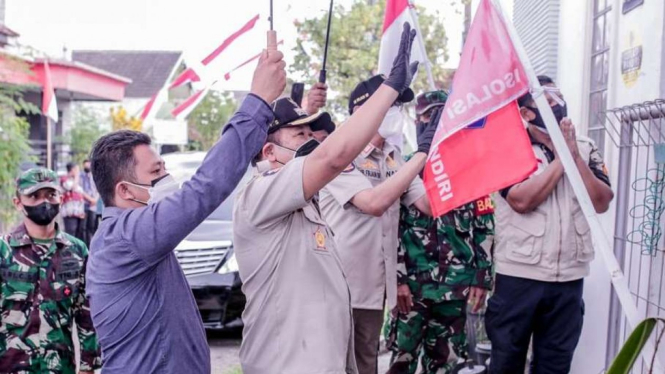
14, 146
208, 119
120, 120
84, 132
353, 52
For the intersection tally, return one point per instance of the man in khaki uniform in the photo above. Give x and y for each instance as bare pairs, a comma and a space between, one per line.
298, 313
364, 215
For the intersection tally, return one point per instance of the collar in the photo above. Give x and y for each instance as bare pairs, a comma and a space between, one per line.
19, 237
388, 149
111, 212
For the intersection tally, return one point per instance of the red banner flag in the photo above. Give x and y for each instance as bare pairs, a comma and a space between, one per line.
481, 159
481, 145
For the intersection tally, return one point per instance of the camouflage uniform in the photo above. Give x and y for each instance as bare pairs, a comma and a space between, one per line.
439, 259
43, 293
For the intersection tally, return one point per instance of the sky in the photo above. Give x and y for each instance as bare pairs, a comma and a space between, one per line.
195, 27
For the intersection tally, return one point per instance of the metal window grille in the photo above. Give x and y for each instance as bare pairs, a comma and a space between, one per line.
600, 58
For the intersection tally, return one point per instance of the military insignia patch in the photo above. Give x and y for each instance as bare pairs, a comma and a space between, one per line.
391, 162
484, 206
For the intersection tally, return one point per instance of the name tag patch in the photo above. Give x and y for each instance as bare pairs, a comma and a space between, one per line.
484, 206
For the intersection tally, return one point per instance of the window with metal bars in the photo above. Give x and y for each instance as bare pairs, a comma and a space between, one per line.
600, 61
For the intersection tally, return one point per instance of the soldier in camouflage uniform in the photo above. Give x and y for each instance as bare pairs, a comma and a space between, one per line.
42, 273
442, 264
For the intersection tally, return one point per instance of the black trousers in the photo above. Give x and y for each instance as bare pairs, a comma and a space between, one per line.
551, 312
74, 226
90, 226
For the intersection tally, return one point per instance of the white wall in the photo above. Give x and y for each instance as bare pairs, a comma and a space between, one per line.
645, 24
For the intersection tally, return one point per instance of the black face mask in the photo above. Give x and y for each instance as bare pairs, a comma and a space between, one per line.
42, 214
87, 170
560, 112
305, 149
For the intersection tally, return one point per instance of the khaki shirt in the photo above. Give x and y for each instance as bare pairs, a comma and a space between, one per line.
368, 245
298, 313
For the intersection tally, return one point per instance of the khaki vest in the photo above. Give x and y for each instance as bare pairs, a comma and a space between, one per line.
551, 243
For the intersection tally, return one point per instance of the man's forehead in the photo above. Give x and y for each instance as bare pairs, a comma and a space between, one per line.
146, 156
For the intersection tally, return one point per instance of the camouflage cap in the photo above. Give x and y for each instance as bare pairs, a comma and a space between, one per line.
35, 179
427, 100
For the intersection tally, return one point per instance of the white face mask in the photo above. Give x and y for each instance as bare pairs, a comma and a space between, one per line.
161, 188
392, 123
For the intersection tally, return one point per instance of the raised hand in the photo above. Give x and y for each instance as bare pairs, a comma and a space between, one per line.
269, 77
427, 135
403, 70
316, 98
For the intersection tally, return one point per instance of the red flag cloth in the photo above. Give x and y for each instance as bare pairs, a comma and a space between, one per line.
490, 155
49, 106
481, 145
489, 76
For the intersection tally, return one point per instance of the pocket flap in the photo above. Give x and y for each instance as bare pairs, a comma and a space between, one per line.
581, 225
532, 223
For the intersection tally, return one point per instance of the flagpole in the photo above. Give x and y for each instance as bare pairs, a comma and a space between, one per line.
421, 46
600, 239
48, 143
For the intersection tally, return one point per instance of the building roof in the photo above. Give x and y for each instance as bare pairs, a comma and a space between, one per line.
148, 70
4, 30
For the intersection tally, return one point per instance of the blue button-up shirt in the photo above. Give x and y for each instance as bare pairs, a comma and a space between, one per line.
142, 307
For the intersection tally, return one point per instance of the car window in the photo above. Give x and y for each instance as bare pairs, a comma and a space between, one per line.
183, 171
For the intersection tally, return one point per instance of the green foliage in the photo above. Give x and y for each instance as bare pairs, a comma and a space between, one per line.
208, 119
353, 52
14, 148
83, 134
630, 352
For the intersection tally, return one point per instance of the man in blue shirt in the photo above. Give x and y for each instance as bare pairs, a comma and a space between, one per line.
142, 307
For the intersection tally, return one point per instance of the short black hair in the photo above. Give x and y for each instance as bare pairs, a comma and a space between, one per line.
526, 99
112, 160
70, 166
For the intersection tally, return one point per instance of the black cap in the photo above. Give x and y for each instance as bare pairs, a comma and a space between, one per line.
288, 113
365, 89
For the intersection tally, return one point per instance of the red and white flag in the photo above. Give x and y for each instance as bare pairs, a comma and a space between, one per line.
49, 105
182, 111
481, 145
396, 14
210, 62
207, 70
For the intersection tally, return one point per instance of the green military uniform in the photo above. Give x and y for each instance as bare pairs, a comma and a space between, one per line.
439, 259
42, 293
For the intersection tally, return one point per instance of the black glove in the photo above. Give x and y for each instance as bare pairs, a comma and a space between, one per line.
402, 72
426, 137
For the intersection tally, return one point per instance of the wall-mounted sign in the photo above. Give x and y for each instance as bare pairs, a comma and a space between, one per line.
631, 64
629, 5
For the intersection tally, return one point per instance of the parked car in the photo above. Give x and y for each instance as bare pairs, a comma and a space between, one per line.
206, 255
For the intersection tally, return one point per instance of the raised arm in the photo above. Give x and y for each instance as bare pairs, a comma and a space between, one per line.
333, 155
158, 228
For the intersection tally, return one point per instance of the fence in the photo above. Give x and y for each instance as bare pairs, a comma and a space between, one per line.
638, 134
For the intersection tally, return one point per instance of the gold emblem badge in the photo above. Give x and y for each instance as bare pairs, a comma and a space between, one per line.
368, 164
320, 239
391, 162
